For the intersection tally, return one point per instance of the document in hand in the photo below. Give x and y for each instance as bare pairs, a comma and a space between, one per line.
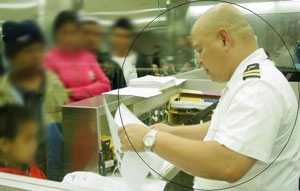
134, 167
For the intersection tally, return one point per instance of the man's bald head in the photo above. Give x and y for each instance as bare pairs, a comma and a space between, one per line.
224, 16
226, 33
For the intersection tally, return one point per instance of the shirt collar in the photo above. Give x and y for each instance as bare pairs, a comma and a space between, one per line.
256, 57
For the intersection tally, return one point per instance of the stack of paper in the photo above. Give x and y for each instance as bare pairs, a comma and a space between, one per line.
139, 92
147, 86
153, 82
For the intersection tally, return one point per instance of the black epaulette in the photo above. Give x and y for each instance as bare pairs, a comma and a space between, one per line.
252, 71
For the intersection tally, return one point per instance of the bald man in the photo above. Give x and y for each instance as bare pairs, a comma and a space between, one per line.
251, 124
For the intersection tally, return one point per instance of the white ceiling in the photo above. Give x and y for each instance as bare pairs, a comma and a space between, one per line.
18, 9
140, 11
121, 5
102, 9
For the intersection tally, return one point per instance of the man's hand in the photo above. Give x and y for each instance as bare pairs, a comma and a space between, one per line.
132, 137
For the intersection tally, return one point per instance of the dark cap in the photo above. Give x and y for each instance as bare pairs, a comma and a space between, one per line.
124, 23
18, 35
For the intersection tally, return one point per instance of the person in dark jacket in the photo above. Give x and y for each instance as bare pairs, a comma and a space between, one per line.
2, 67
92, 32
133, 64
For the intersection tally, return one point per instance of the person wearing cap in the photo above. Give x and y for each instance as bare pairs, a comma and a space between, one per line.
76, 67
27, 83
252, 141
92, 32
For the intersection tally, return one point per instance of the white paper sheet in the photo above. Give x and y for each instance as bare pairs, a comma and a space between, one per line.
133, 168
149, 81
139, 92
95, 181
98, 182
179, 81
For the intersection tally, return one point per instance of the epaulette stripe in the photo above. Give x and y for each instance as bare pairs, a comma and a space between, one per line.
258, 74
254, 75
246, 77
252, 71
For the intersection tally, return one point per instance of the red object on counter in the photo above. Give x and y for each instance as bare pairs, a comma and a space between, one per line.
31, 171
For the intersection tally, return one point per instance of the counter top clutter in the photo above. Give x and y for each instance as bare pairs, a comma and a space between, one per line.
133, 171
147, 86
95, 181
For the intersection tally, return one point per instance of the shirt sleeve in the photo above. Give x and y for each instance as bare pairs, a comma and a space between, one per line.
98, 87
251, 122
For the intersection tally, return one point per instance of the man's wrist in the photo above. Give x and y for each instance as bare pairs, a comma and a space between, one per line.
155, 145
149, 139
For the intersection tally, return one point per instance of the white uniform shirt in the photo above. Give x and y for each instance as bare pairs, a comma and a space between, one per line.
255, 117
129, 67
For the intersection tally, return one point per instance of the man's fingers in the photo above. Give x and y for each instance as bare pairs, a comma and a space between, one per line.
126, 146
155, 126
127, 136
158, 125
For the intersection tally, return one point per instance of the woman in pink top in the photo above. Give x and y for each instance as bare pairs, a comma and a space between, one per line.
78, 69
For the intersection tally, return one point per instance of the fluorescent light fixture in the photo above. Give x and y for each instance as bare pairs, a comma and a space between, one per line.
105, 22
23, 5
256, 7
140, 21
148, 20
125, 12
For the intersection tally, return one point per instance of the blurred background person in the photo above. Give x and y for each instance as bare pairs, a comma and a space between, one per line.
92, 41
168, 66
77, 68
184, 54
122, 35
18, 141
156, 61
3, 62
27, 83
2, 69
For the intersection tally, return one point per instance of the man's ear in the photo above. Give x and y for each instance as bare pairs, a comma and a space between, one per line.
225, 37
